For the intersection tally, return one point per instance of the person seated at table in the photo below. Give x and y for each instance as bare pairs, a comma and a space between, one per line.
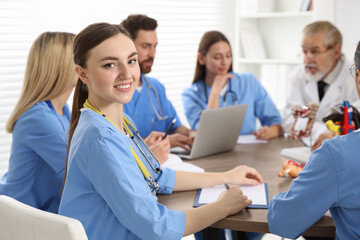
329, 181
40, 122
322, 79
112, 178
150, 108
216, 85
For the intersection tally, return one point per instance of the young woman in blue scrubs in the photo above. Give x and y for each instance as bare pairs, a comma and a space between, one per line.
329, 181
40, 122
110, 183
215, 85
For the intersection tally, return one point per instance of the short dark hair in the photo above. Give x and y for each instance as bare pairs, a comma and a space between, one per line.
134, 23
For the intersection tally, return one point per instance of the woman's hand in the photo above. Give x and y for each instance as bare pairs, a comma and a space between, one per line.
179, 140
218, 84
220, 81
153, 138
267, 133
243, 175
234, 200
161, 150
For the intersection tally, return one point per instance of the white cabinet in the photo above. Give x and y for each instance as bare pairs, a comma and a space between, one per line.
279, 24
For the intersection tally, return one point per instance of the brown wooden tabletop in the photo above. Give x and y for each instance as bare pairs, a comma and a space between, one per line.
267, 160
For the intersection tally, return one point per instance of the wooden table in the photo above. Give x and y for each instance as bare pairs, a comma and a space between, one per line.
267, 160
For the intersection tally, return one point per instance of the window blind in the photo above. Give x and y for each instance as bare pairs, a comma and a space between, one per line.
181, 25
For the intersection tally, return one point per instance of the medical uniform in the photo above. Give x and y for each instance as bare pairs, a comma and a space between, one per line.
303, 91
330, 180
106, 190
38, 156
248, 91
141, 110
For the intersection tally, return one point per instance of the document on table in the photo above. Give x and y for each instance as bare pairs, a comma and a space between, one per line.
300, 154
258, 194
175, 162
249, 139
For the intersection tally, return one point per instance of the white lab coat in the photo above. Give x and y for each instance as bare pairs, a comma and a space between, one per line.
303, 91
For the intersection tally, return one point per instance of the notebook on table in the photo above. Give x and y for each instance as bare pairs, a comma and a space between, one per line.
258, 194
218, 131
300, 154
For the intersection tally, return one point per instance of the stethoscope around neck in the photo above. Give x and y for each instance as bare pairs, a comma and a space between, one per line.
132, 132
159, 114
228, 91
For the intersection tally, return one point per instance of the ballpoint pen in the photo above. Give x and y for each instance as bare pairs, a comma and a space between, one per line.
226, 186
169, 129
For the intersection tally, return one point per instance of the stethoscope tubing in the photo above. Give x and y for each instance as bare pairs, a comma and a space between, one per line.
160, 115
135, 132
224, 97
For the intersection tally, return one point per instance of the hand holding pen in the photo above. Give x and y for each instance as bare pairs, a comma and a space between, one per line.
169, 129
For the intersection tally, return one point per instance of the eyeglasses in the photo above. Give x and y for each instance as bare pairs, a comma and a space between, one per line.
314, 53
352, 70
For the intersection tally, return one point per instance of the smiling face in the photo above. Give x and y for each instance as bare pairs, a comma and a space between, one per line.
112, 71
217, 60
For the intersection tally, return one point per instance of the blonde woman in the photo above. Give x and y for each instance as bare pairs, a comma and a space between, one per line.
40, 122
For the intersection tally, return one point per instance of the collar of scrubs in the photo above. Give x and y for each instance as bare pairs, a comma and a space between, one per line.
127, 125
223, 92
63, 119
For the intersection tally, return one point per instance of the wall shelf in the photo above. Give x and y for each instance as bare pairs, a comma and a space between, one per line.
267, 41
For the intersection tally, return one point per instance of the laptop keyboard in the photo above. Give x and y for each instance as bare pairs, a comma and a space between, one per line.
180, 152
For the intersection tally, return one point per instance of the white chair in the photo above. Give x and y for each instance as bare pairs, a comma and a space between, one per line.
19, 221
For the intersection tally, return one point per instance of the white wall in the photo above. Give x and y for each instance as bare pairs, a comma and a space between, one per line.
347, 19
181, 25
21, 22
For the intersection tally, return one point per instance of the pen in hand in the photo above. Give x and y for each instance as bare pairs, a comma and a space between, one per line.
168, 130
226, 186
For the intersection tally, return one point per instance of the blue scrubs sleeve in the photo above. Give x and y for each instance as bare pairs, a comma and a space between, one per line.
47, 138
265, 108
117, 178
166, 181
194, 103
311, 194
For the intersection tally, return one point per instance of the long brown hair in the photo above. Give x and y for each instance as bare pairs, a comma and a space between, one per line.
207, 40
50, 71
84, 42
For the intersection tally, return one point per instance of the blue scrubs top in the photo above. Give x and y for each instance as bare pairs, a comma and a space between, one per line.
248, 91
38, 156
106, 190
330, 180
141, 110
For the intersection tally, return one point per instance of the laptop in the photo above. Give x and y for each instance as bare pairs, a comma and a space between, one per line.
218, 131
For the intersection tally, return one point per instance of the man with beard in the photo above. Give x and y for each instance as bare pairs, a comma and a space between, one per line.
323, 78
149, 108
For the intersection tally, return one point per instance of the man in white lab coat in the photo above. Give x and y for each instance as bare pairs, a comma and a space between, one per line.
323, 78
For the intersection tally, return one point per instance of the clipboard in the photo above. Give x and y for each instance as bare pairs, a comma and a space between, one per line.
258, 194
